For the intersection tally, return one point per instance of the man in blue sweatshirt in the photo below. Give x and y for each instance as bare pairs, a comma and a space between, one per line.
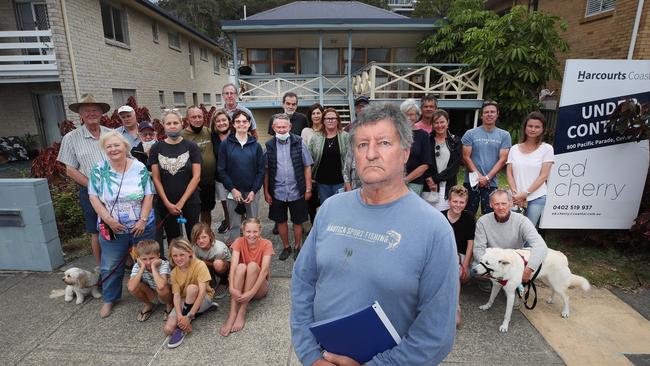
382, 243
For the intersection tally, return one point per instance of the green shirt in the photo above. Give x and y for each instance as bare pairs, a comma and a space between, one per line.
208, 162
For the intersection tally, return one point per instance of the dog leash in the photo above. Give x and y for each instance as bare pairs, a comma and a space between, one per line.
122, 261
528, 285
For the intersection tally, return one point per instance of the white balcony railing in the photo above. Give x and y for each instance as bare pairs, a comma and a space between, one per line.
271, 88
401, 81
27, 56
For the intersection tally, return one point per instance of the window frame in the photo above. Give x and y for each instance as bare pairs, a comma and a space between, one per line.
155, 32
209, 99
216, 64
124, 95
161, 98
203, 54
176, 102
174, 35
603, 5
123, 22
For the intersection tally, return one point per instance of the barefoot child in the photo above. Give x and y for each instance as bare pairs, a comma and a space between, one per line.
249, 274
213, 253
149, 278
191, 293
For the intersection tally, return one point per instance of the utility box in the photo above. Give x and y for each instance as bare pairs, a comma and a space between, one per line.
29, 239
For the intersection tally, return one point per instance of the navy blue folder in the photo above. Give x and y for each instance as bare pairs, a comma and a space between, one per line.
360, 335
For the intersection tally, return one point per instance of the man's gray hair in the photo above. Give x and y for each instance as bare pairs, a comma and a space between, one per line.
278, 116
227, 85
377, 112
501, 191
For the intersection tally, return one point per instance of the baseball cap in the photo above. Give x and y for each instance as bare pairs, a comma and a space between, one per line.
144, 125
362, 100
125, 108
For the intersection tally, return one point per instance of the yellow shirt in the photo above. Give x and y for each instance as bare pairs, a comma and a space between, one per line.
196, 273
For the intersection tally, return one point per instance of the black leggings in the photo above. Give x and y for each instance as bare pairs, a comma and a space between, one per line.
172, 228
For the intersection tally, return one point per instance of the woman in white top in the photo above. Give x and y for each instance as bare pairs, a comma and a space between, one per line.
528, 166
315, 116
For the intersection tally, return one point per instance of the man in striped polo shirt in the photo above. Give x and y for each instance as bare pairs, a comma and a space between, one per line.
80, 151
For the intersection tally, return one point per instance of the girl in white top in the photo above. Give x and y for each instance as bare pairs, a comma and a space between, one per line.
528, 166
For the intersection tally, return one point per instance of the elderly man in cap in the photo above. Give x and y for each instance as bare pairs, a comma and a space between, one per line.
129, 128
148, 136
80, 151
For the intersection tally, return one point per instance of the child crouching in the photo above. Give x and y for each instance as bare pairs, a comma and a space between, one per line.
214, 254
191, 293
149, 278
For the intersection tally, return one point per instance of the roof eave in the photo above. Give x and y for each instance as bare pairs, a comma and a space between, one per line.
341, 26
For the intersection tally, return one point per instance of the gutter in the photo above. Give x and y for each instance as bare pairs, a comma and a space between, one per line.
73, 65
635, 30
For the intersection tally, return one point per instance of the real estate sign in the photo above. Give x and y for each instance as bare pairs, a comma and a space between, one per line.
598, 176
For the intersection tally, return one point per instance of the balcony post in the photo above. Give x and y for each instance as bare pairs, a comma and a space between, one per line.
349, 72
235, 61
320, 68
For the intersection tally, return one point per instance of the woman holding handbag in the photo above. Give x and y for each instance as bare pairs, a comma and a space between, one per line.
121, 192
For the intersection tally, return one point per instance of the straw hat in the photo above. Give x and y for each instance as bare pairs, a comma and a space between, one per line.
89, 99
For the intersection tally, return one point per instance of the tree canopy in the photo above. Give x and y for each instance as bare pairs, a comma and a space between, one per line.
431, 8
517, 52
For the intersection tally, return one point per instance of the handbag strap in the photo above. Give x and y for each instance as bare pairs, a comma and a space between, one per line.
119, 189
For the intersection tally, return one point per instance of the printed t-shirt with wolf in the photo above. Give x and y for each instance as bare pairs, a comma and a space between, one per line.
175, 166
104, 183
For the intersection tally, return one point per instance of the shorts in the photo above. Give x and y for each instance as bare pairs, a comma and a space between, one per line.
298, 210
206, 194
90, 216
205, 305
220, 191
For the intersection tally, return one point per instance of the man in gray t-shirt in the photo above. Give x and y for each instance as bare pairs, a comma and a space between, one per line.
485, 151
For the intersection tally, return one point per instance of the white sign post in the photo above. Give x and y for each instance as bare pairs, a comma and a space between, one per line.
598, 176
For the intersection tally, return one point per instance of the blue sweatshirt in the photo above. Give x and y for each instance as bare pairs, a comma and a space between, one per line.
402, 254
241, 167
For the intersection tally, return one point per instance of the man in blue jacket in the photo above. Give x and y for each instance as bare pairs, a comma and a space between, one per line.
287, 182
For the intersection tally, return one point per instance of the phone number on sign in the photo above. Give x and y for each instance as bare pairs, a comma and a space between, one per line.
572, 207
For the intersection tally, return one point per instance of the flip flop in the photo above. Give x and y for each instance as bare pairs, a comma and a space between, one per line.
166, 313
144, 315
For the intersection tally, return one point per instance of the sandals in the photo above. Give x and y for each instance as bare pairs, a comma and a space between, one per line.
144, 315
166, 313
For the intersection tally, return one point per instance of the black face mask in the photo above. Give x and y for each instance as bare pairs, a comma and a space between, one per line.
196, 129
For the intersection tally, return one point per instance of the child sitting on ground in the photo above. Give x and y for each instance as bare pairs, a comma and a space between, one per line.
150, 278
191, 291
214, 254
249, 274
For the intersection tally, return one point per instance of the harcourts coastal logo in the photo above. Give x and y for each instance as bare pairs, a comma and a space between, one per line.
584, 75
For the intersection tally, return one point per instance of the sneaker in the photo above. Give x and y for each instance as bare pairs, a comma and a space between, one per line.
285, 253
485, 286
223, 227
295, 253
176, 338
220, 292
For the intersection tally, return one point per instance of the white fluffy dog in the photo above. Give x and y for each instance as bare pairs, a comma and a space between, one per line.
81, 283
506, 266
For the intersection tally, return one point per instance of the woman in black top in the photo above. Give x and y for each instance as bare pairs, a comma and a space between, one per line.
220, 127
464, 226
446, 149
176, 170
419, 160
328, 148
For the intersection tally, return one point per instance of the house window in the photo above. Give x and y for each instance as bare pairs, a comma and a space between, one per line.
195, 99
179, 99
599, 6
358, 58
260, 61
114, 22
215, 63
381, 55
161, 97
174, 40
190, 54
284, 61
155, 32
206, 99
203, 53
217, 98
121, 96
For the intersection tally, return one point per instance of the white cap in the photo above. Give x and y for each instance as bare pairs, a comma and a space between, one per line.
125, 108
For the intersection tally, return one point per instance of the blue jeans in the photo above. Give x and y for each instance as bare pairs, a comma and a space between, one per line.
326, 191
479, 195
113, 255
535, 209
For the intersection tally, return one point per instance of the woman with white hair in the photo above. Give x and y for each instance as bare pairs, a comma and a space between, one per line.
121, 192
419, 159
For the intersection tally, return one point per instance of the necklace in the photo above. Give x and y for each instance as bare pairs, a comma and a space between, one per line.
330, 142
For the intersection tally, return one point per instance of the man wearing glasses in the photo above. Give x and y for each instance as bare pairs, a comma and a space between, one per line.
230, 96
485, 151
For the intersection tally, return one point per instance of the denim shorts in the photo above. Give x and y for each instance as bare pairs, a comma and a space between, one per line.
90, 216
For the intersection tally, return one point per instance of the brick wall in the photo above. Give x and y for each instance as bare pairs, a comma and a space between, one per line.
17, 108
142, 65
